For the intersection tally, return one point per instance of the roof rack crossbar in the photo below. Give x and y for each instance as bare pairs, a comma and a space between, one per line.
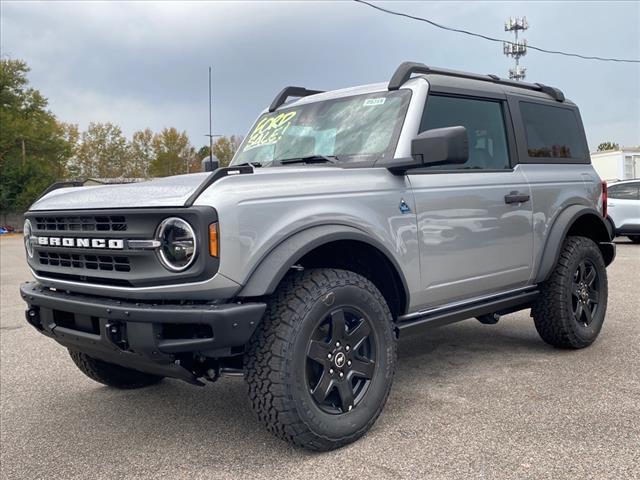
406, 69
287, 92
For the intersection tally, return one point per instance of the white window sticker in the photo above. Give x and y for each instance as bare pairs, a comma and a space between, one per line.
372, 102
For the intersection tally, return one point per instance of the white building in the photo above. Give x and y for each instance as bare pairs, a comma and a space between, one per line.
622, 164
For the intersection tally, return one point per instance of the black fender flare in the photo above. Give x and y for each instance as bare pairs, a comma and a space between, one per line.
274, 265
611, 226
559, 230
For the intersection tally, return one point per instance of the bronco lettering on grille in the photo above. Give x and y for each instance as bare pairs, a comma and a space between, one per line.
111, 243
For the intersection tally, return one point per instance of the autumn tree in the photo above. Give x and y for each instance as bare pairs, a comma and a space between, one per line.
33, 146
173, 154
224, 148
103, 152
141, 154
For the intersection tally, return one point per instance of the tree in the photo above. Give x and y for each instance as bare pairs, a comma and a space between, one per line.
34, 147
606, 146
141, 154
103, 152
173, 154
224, 148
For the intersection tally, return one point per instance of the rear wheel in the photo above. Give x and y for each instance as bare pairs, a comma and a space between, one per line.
571, 307
110, 374
634, 238
320, 365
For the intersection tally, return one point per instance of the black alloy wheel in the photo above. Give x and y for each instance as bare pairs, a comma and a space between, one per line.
585, 292
341, 360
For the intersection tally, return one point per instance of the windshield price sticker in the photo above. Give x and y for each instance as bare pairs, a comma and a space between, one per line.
269, 130
372, 102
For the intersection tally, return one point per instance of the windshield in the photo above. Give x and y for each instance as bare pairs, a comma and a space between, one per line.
362, 128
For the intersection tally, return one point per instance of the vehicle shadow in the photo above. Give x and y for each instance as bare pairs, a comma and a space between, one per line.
175, 420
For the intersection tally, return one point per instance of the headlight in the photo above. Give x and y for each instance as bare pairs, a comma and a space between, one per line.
178, 244
27, 232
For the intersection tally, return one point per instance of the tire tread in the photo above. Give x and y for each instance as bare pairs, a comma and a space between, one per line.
266, 370
550, 315
110, 374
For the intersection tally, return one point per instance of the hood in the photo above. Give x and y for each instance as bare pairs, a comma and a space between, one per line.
160, 192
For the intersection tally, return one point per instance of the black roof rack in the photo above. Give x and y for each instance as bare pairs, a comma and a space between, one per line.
287, 92
406, 69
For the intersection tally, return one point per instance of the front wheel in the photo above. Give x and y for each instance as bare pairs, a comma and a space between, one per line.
634, 238
319, 367
570, 310
110, 374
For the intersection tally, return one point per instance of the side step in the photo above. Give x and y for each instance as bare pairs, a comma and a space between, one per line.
437, 317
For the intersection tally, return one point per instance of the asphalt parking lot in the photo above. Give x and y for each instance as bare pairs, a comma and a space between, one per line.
469, 401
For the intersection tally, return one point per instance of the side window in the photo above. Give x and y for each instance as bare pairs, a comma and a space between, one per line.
552, 132
624, 191
484, 121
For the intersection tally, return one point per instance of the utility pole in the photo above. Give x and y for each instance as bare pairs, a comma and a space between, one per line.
516, 49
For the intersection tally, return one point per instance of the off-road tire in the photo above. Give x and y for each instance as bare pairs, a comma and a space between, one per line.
634, 238
552, 311
110, 374
275, 361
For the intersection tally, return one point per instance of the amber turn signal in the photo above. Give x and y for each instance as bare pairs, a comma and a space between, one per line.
213, 240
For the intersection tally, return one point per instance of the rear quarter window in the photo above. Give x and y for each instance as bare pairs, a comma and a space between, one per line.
552, 134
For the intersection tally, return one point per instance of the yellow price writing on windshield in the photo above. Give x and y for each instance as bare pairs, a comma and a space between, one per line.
269, 130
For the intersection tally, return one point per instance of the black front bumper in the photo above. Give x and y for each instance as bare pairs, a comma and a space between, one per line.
148, 337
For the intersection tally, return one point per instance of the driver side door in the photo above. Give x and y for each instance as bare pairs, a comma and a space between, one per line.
473, 239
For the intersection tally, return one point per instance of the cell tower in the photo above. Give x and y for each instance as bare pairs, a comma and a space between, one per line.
518, 48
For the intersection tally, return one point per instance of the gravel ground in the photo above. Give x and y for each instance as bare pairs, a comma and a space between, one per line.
469, 401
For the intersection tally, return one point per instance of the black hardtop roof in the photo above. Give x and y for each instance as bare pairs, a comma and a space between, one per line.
441, 77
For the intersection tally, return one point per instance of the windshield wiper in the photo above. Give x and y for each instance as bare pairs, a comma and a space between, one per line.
251, 164
311, 159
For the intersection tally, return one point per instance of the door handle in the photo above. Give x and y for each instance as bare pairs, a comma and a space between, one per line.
516, 197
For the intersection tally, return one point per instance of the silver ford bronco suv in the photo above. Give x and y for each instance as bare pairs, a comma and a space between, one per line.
346, 219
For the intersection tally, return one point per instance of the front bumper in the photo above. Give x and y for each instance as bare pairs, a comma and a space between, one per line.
148, 337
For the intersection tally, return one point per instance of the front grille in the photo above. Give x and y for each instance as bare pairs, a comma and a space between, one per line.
81, 260
128, 267
89, 223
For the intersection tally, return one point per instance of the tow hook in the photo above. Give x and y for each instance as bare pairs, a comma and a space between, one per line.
116, 332
33, 317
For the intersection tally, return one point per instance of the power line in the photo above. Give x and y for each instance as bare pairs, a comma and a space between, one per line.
493, 39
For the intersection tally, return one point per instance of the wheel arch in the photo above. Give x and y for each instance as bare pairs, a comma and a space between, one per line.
575, 220
332, 246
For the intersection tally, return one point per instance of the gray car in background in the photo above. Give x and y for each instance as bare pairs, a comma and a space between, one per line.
345, 219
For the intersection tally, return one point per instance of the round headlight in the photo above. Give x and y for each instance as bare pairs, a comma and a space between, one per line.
178, 244
27, 233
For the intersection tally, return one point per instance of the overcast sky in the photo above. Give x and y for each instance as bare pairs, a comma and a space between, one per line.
145, 64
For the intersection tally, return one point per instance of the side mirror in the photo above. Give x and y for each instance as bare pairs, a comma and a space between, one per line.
209, 164
441, 146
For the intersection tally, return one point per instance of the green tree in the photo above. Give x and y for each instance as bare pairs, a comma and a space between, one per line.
34, 148
605, 146
173, 154
203, 152
103, 152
